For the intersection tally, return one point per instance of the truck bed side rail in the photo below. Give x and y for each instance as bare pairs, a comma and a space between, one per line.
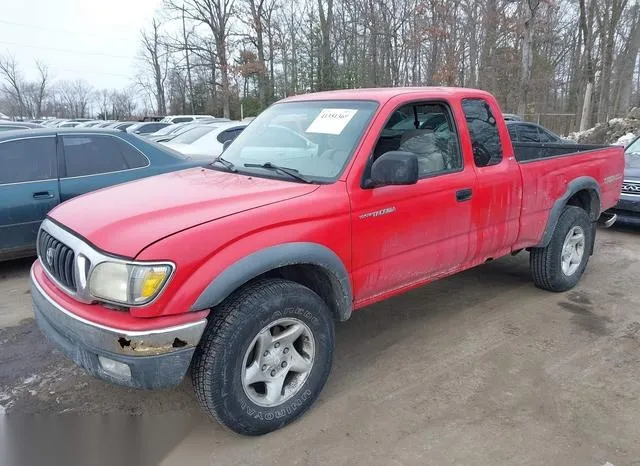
533, 151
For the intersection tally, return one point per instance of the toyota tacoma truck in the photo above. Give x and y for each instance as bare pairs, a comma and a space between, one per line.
236, 272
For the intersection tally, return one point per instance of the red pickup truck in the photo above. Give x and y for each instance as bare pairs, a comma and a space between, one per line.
325, 204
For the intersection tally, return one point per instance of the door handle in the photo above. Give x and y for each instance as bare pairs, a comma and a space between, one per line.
43, 195
464, 194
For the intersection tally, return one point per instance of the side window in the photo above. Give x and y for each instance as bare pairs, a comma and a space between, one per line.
483, 128
546, 136
30, 159
513, 133
92, 154
427, 130
181, 119
529, 133
229, 135
132, 157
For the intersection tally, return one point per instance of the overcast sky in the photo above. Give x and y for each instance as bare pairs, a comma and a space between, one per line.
95, 40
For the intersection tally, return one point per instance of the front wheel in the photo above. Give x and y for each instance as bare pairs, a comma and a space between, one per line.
264, 357
559, 266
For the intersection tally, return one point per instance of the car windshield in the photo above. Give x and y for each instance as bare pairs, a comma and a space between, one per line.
193, 134
632, 155
314, 138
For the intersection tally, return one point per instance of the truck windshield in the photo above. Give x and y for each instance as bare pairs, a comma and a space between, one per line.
316, 139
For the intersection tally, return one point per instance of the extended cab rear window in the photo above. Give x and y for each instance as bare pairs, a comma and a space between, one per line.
483, 129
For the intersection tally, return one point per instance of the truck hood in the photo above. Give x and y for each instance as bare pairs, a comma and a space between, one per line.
126, 218
632, 174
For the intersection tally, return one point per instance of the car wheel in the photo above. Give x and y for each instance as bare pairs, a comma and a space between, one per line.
265, 356
559, 266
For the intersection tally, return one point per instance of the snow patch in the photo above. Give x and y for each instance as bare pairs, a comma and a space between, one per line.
625, 140
33, 379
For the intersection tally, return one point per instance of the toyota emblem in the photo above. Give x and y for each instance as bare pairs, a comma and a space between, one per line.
49, 256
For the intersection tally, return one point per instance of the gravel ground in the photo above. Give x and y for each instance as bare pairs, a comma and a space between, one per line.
480, 368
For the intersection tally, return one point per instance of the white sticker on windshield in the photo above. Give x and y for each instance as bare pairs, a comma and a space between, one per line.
331, 120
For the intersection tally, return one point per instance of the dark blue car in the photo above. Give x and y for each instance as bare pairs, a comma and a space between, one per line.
41, 168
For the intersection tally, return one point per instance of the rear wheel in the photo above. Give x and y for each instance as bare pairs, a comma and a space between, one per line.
559, 266
264, 357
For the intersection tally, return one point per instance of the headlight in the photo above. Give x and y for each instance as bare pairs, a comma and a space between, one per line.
131, 284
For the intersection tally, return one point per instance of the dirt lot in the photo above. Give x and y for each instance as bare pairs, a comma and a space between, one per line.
481, 368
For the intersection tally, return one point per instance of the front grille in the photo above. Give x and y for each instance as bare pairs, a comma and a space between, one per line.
629, 187
57, 258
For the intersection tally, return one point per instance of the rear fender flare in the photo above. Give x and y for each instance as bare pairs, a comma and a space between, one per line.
579, 184
274, 257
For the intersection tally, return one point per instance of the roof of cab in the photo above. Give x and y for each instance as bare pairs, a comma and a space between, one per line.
384, 94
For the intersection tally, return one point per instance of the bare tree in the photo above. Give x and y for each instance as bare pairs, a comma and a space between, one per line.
14, 85
216, 15
608, 18
76, 97
42, 88
156, 57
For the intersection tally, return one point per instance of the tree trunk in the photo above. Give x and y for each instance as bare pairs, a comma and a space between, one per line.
487, 57
590, 73
326, 23
527, 56
628, 61
221, 47
186, 56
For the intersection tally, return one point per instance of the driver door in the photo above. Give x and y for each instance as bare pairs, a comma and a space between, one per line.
404, 235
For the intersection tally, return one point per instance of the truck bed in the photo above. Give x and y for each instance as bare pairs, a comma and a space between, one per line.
547, 170
533, 151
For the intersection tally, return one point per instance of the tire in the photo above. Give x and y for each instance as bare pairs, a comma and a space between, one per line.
236, 335
546, 263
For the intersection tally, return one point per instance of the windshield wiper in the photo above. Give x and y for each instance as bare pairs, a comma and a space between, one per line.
292, 172
229, 165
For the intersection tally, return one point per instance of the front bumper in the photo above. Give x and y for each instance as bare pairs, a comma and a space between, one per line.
155, 358
628, 209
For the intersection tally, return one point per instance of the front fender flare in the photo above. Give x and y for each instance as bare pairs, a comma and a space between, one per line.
271, 258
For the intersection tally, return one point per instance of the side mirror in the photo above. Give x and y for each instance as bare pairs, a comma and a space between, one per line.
226, 144
394, 168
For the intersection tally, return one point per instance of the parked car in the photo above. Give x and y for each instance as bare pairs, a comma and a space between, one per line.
185, 118
14, 125
90, 123
68, 124
122, 125
33, 179
104, 124
521, 131
206, 140
511, 117
238, 270
167, 133
628, 209
146, 127
52, 122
